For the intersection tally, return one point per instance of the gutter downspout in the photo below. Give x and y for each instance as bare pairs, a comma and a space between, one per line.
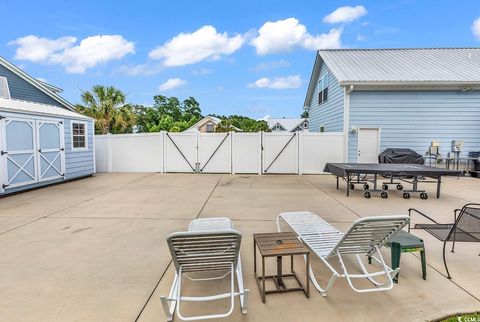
346, 120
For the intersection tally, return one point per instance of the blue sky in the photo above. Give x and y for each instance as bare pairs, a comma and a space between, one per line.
245, 57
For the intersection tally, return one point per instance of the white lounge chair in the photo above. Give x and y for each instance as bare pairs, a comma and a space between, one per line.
209, 245
366, 236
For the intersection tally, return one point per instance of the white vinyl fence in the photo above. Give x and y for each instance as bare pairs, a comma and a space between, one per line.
231, 152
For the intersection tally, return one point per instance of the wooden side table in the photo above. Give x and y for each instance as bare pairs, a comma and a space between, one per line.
279, 245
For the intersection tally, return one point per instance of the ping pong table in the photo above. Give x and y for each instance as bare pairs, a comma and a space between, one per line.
361, 174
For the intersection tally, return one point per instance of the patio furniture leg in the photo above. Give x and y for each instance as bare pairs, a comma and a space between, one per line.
241, 288
445, 260
396, 253
424, 264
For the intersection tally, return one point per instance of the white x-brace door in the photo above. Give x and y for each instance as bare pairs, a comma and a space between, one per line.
51, 151
18, 152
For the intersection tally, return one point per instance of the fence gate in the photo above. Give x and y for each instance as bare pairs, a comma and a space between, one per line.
214, 152
180, 152
51, 151
280, 152
19, 152
247, 153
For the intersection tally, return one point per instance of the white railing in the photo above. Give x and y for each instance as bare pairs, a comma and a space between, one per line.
256, 152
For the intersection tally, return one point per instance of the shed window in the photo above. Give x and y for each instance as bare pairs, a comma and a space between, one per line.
79, 136
323, 89
4, 90
305, 125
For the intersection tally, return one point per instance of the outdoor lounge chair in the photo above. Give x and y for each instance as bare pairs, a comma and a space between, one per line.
209, 245
465, 227
366, 236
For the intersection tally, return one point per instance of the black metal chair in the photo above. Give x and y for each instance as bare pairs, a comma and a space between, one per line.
465, 227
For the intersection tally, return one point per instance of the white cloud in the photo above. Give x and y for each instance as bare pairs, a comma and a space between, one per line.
147, 69
284, 35
345, 14
90, 52
476, 28
266, 66
293, 81
171, 83
201, 71
190, 48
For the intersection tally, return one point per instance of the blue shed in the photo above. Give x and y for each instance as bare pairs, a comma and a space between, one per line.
42, 139
390, 98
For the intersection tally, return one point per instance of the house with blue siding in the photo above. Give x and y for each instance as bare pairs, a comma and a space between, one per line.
42, 139
396, 98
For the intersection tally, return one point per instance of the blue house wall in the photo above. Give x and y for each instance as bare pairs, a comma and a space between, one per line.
23, 90
329, 114
413, 119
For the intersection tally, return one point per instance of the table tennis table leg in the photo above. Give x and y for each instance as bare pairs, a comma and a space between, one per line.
439, 183
337, 182
348, 185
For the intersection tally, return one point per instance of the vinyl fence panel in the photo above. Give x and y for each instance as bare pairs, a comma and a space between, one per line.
136, 152
180, 153
215, 152
247, 153
280, 152
258, 152
316, 149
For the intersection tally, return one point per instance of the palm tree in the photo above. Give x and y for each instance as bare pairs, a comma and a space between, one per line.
106, 104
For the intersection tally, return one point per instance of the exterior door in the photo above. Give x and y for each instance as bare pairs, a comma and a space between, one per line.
368, 145
19, 152
51, 151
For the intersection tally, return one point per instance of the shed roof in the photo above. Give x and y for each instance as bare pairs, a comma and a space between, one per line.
408, 65
25, 107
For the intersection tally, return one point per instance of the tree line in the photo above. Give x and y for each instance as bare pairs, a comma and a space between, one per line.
108, 106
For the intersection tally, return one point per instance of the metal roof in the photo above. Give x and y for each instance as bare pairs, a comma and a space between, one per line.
409, 66
25, 107
288, 124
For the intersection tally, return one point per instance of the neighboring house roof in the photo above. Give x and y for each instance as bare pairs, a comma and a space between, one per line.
26, 107
205, 120
289, 124
202, 122
404, 67
48, 89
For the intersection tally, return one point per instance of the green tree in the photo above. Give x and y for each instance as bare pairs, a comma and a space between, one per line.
304, 114
167, 114
107, 106
246, 124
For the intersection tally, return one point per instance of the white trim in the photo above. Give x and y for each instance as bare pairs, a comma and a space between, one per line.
7, 86
346, 121
71, 136
61, 150
3, 166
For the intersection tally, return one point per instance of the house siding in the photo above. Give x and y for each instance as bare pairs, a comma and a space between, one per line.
330, 113
78, 163
412, 119
23, 90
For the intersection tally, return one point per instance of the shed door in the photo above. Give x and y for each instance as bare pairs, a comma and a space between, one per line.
51, 151
19, 152
368, 145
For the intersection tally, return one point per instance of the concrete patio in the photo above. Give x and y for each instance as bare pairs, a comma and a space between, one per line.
95, 250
